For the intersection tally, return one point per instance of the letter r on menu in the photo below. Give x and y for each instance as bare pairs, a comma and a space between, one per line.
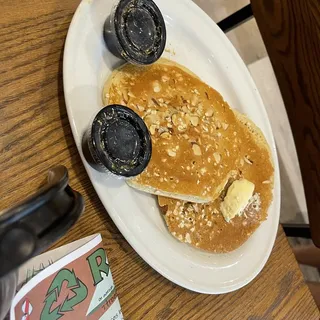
98, 265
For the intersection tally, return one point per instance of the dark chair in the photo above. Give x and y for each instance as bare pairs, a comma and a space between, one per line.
291, 230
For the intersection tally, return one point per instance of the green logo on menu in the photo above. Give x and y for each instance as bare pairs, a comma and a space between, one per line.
77, 287
99, 270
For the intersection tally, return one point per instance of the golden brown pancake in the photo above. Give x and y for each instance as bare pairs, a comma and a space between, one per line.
203, 225
198, 143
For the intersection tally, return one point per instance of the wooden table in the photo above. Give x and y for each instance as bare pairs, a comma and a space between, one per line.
35, 135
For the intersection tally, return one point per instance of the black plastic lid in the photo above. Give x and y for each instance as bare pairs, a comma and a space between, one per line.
120, 141
140, 30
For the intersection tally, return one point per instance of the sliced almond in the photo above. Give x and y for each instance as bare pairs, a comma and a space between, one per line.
209, 113
225, 126
165, 78
187, 118
205, 128
185, 109
153, 129
162, 115
196, 150
151, 119
166, 135
194, 100
153, 102
182, 128
140, 108
194, 120
203, 171
125, 96
168, 119
217, 157
130, 94
247, 160
171, 153
156, 86
175, 119
162, 130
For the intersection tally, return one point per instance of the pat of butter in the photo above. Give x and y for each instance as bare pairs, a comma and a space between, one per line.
237, 198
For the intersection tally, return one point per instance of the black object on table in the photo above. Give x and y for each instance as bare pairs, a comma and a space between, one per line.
35, 224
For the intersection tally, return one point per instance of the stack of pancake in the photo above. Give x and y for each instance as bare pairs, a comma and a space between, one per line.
211, 167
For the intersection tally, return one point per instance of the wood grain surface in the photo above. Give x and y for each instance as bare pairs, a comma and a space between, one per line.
35, 135
291, 32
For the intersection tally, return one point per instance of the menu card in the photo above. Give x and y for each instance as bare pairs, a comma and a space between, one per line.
71, 282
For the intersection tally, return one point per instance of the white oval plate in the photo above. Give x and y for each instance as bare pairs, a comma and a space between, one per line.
203, 48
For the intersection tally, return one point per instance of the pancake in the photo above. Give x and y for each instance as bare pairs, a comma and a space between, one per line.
198, 141
203, 225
